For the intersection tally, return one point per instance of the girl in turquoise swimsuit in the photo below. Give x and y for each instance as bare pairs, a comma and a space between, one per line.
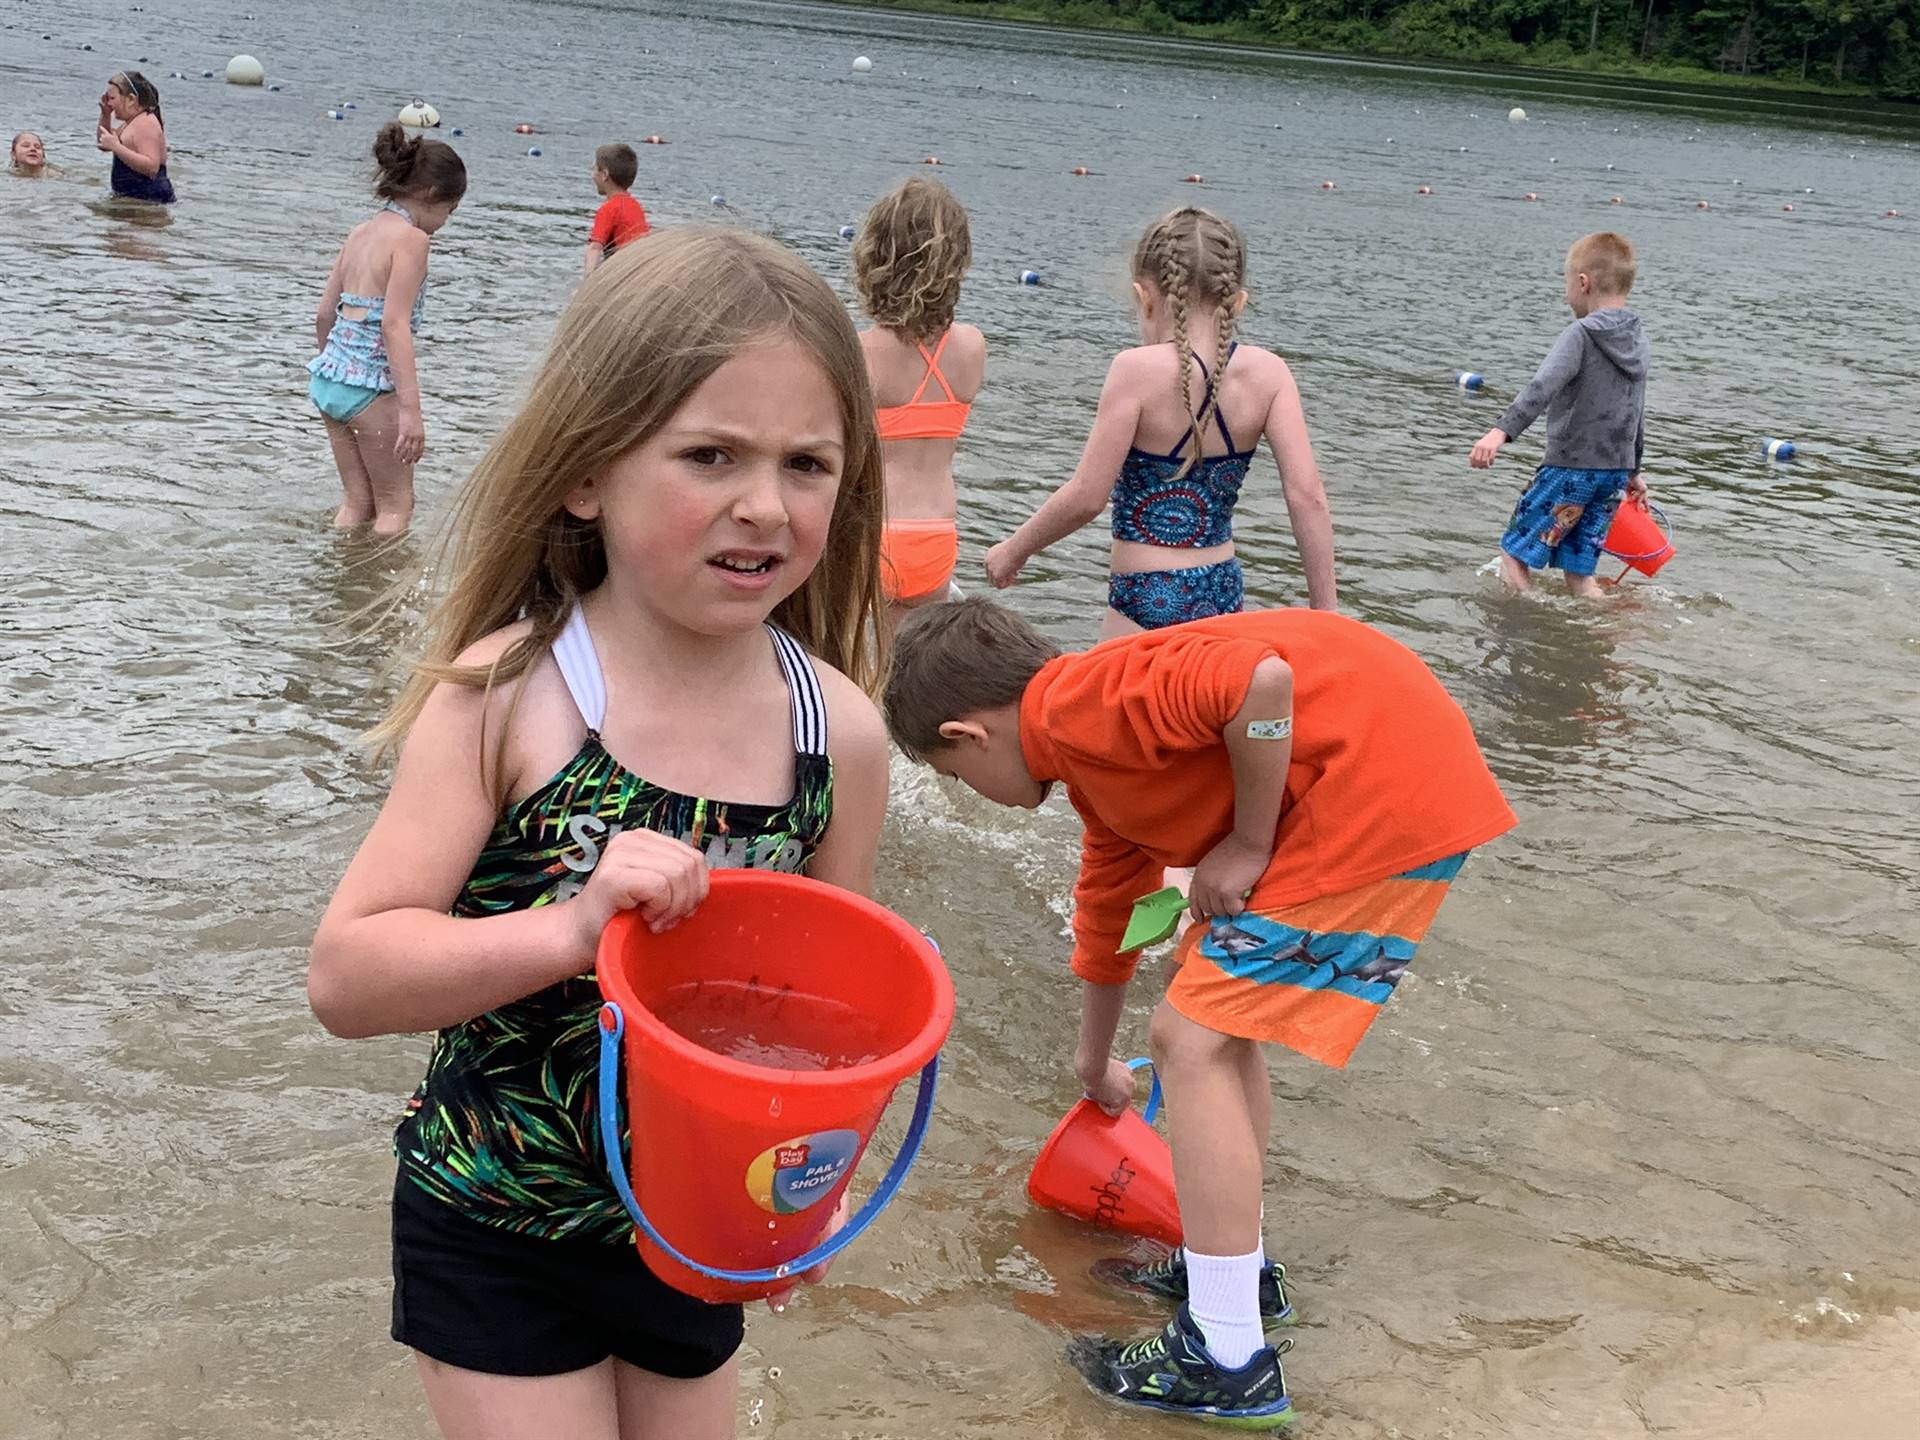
662, 589
364, 382
1168, 462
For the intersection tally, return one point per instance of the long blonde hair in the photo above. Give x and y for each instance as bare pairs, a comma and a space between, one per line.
909, 258
1198, 261
648, 329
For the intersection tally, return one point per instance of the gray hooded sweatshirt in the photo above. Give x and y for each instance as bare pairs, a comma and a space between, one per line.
1593, 386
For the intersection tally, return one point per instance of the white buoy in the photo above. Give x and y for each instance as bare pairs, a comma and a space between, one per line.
419, 115
861, 64
1516, 114
245, 70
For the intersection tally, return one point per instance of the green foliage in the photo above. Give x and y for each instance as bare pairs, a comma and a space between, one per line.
1870, 44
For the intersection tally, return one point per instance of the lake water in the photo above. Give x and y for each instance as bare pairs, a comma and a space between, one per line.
1634, 1152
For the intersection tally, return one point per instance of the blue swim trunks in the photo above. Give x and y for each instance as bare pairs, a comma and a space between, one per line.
1154, 599
337, 401
1563, 517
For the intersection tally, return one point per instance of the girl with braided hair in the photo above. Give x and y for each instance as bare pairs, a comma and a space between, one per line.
1167, 459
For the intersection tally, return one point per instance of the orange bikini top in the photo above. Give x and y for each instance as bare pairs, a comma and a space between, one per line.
926, 419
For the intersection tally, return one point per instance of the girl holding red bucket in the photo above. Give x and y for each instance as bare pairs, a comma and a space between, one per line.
669, 560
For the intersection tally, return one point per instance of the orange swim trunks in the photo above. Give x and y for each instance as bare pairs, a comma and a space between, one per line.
917, 557
1311, 976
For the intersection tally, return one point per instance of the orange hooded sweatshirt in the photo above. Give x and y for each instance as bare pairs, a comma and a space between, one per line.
1385, 774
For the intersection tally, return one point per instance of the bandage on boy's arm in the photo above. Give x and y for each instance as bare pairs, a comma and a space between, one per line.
1113, 874
1556, 372
1259, 740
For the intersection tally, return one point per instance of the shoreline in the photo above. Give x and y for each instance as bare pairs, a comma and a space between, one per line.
1234, 36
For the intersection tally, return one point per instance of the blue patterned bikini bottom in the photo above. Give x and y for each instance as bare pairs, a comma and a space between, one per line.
1154, 599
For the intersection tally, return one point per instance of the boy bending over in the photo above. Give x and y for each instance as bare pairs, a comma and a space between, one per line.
1324, 788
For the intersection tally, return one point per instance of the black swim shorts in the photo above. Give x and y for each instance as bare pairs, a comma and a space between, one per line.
487, 1299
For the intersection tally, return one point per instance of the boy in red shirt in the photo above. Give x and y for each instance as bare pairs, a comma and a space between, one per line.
1324, 788
620, 220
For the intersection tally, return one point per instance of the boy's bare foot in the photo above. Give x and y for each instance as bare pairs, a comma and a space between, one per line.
1585, 587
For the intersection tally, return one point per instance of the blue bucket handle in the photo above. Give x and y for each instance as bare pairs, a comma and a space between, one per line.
1154, 1096
610, 1038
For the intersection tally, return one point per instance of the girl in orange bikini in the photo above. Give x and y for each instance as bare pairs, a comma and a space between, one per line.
907, 264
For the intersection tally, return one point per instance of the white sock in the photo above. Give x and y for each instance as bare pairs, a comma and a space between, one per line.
1223, 1296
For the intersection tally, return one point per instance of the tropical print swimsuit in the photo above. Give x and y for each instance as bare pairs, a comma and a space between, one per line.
503, 1127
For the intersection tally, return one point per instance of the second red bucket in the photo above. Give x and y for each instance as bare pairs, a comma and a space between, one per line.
1639, 536
1113, 1171
763, 1037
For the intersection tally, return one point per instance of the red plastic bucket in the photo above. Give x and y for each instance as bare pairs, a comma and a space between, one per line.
1110, 1170
737, 1163
1639, 536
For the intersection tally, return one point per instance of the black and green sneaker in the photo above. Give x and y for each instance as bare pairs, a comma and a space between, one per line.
1172, 1371
1166, 1279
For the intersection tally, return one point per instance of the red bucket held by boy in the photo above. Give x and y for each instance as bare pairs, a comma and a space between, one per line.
1113, 1171
763, 1038
1639, 536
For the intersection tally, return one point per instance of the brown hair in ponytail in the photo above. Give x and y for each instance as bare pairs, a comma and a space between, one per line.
142, 91
1196, 260
412, 167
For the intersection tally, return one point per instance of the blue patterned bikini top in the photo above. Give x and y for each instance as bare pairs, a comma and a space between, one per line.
1154, 504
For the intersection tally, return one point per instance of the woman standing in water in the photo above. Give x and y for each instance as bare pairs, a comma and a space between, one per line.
364, 382
139, 145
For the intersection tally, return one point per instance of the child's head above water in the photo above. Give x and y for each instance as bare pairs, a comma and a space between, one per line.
953, 696
909, 258
615, 167
701, 435
28, 154
1600, 270
426, 176
1189, 270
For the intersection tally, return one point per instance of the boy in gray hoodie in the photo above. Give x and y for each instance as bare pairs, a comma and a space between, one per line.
1593, 386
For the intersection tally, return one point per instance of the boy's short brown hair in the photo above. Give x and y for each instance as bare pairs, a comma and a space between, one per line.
620, 163
955, 659
1607, 258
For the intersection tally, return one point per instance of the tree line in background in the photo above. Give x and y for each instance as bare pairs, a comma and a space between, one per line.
1870, 43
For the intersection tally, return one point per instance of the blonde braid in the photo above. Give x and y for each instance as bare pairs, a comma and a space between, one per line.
1175, 281
1225, 278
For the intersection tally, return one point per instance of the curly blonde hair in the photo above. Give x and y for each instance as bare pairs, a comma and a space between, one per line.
1198, 261
909, 257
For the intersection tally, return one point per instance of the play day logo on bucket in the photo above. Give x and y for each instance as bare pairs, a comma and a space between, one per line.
790, 1176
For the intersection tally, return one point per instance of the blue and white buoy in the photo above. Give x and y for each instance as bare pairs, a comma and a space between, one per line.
720, 202
1468, 380
335, 115
1779, 449
1029, 277
847, 232
534, 152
